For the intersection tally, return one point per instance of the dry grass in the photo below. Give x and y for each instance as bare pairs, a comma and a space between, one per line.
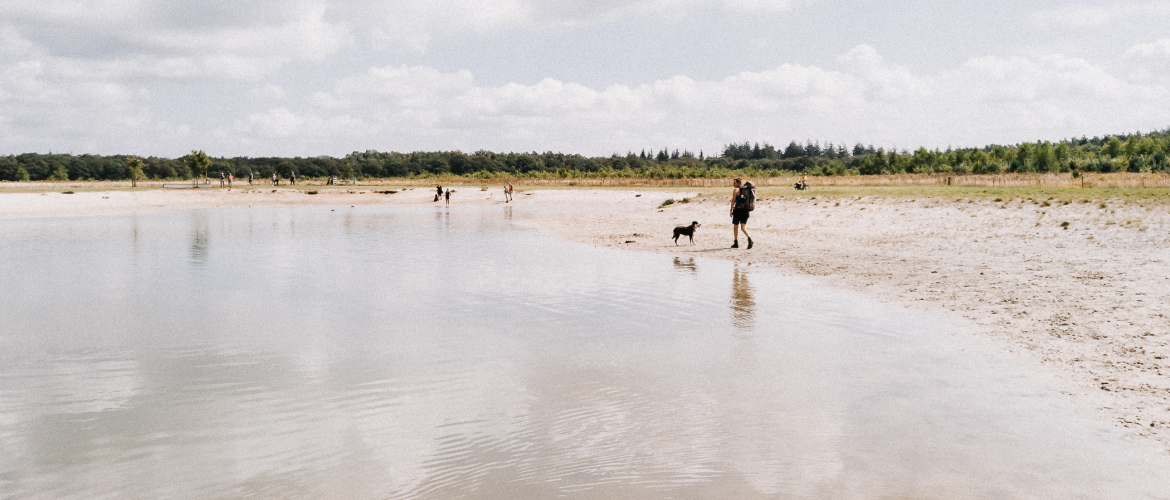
1114, 180
1061, 188
1090, 180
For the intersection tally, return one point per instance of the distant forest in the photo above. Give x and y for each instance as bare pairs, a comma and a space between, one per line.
1119, 153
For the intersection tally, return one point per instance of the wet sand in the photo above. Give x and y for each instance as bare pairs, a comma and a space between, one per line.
1086, 305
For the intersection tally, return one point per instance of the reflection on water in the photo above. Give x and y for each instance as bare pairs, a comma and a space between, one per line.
743, 303
379, 353
199, 235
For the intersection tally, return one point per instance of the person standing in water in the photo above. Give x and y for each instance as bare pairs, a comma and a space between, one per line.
447, 197
508, 193
739, 213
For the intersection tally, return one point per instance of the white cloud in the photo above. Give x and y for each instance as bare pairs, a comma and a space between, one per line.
123, 75
1076, 16
1150, 61
156, 38
267, 92
416, 23
988, 99
41, 111
1158, 50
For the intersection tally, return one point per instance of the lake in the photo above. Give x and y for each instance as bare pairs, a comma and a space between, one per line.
423, 352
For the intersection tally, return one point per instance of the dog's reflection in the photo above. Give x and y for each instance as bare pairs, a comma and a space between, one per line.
687, 264
743, 301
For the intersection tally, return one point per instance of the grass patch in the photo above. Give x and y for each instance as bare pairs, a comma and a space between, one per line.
667, 203
1085, 195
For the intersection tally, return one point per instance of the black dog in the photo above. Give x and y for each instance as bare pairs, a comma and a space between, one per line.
688, 231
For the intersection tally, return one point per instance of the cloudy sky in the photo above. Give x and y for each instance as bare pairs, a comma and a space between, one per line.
324, 77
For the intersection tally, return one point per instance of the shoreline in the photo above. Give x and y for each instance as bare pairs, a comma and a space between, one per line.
1088, 306
1086, 303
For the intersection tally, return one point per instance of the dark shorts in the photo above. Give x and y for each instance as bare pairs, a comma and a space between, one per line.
739, 216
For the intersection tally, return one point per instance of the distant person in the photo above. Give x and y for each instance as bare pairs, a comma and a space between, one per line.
803, 184
292, 179
742, 200
275, 181
508, 193
250, 177
447, 196
222, 179
230, 178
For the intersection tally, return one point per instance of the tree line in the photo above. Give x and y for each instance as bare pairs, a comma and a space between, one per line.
1117, 153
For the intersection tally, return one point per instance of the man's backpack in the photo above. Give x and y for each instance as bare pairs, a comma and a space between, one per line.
748, 191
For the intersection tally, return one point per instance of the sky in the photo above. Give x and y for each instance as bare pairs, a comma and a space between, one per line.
323, 77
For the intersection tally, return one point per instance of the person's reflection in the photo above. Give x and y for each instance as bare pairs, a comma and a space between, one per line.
686, 265
134, 223
199, 239
743, 301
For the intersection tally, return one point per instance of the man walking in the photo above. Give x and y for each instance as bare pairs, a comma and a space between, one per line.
742, 201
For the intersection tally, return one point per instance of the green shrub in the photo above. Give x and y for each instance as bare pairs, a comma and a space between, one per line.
61, 174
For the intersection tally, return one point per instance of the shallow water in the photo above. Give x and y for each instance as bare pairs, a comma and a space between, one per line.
374, 352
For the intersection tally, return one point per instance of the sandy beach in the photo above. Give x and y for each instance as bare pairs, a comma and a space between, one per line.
1084, 303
